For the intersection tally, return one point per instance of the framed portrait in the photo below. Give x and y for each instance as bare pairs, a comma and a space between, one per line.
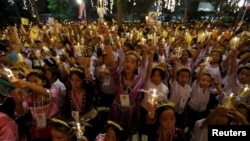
152, 17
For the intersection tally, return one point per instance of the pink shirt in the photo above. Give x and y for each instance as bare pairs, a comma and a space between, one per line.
8, 128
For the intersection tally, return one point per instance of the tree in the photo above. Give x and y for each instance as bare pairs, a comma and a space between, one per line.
63, 9
12, 11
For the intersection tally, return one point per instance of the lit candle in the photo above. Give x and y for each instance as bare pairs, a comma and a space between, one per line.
243, 92
79, 133
235, 42
207, 60
10, 74
179, 52
228, 102
153, 97
143, 40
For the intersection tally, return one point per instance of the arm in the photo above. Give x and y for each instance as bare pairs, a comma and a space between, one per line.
150, 64
37, 89
174, 69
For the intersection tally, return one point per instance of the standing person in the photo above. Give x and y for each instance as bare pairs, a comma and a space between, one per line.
79, 101
126, 105
180, 90
8, 127
53, 75
41, 100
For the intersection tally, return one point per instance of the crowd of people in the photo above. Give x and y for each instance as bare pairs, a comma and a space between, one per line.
135, 82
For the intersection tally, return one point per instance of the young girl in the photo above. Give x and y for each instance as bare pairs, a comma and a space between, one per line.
41, 100
180, 89
126, 105
115, 132
162, 124
197, 105
79, 102
61, 130
238, 84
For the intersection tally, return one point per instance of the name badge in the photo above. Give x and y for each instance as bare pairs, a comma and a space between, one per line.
75, 115
106, 81
183, 103
41, 120
125, 100
203, 106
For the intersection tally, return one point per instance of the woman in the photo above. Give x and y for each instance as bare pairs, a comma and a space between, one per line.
40, 99
79, 102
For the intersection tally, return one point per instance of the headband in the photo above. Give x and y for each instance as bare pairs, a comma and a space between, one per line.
115, 124
60, 121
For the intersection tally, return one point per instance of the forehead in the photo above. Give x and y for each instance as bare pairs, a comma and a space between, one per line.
131, 57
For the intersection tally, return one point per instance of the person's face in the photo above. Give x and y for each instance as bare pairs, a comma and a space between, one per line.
244, 76
215, 57
49, 75
194, 52
161, 50
89, 53
75, 81
184, 55
156, 78
205, 81
183, 78
130, 63
110, 135
167, 119
35, 80
59, 136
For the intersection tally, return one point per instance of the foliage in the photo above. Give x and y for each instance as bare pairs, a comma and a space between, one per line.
11, 14
62, 9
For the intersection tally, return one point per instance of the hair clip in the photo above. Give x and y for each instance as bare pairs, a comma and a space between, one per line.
60, 121
76, 69
115, 124
162, 104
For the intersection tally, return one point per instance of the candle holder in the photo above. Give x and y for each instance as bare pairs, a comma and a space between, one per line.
79, 128
207, 60
178, 52
228, 101
153, 96
243, 92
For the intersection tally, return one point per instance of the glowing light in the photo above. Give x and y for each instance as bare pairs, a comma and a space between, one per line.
11, 2
25, 5
167, 4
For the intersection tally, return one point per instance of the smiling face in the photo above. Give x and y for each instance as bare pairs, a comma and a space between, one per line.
205, 81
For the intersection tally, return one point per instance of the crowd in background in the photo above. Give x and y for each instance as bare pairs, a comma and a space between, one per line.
103, 82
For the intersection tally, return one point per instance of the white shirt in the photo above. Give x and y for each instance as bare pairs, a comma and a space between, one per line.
199, 98
162, 88
61, 89
199, 134
179, 95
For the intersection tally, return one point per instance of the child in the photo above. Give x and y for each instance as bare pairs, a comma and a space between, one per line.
162, 123
115, 132
41, 100
180, 89
61, 130
197, 105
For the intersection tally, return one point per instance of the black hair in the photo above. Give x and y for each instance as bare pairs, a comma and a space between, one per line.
161, 71
79, 72
121, 135
242, 68
41, 75
159, 112
183, 70
54, 72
